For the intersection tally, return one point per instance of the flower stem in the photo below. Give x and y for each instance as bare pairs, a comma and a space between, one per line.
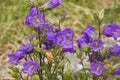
84, 70
62, 68
21, 76
99, 30
40, 55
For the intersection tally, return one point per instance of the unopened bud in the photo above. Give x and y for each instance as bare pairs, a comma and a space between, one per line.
49, 56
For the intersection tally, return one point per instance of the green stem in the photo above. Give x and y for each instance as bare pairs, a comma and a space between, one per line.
40, 55
21, 76
99, 29
62, 68
84, 70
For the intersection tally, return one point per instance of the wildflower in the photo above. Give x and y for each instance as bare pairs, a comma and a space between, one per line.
46, 28
53, 4
68, 47
64, 15
96, 45
65, 40
83, 42
68, 34
112, 30
35, 18
26, 49
30, 67
116, 50
15, 57
89, 31
93, 57
97, 68
117, 71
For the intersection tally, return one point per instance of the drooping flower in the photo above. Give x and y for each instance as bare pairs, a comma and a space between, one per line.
97, 68
94, 57
65, 40
15, 57
117, 71
59, 38
30, 67
83, 42
96, 45
68, 34
46, 28
89, 31
116, 50
112, 30
53, 4
68, 47
35, 18
64, 15
26, 49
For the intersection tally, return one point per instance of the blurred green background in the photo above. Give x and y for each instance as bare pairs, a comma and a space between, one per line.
79, 15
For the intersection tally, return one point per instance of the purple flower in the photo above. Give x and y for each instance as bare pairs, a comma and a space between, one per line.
50, 45
83, 42
15, 57
97, 68
117, 71
53, 4
65, 40
30, 67
116, 50
35, 18
89, 31
93, 57
46, 28
59, 38
26, 49
68, 34
112, 30
96, 45
68, 47
64, 15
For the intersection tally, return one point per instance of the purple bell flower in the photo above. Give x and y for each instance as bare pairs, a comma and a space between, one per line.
68, 34
117, 71
116, 50
96, 45
93, 57
89, 31
15, 57
97, 68
46, 28
112, 30
35, 18
83, 42
68, 47
65, 40
26, 49
53, 4
30, 67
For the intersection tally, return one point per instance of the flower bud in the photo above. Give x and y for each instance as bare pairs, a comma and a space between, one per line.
49, 56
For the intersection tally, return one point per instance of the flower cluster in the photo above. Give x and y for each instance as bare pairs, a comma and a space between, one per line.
49, 37
37, 20
23, 52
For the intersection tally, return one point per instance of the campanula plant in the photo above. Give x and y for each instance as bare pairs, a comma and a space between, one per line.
43, 57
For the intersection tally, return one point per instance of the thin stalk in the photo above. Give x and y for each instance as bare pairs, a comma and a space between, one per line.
21, 76
84, 70
99, 30
62, 68
40, 55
